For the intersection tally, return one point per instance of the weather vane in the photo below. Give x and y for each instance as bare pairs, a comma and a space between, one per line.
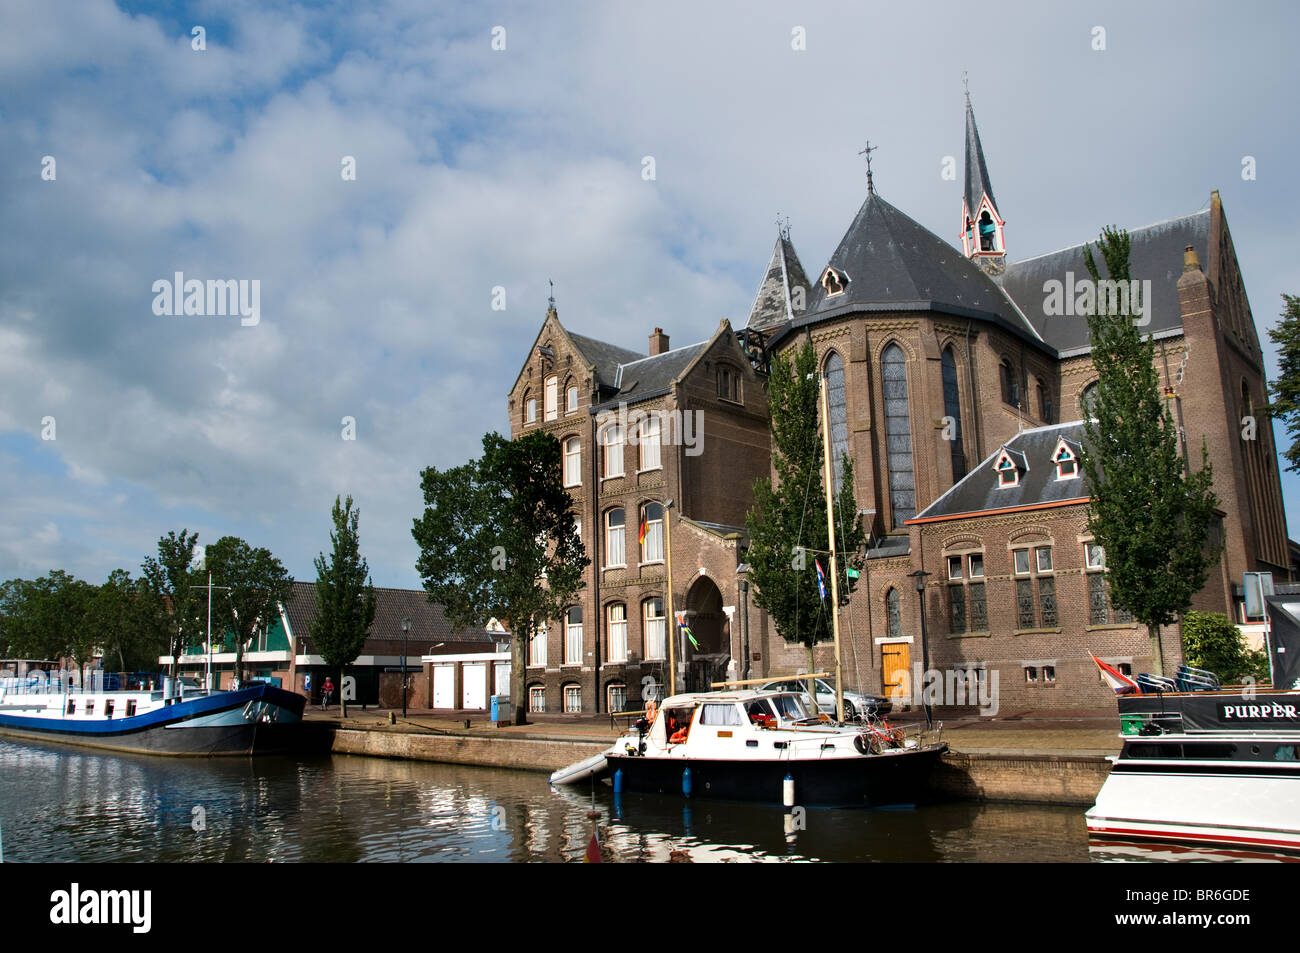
551, 299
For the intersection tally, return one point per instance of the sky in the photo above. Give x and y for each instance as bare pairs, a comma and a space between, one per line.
502, 146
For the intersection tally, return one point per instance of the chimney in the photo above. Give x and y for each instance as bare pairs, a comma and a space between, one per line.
1190, 260
658, 342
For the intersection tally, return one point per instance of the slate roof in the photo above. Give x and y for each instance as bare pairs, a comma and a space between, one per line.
977, 173
784, 271
651, 376
893, 263
606, 357
428, 624
979, 491
1156, 253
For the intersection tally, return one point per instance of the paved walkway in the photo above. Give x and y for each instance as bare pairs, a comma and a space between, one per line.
1083, 734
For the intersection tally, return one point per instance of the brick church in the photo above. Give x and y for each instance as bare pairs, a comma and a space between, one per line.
957, 382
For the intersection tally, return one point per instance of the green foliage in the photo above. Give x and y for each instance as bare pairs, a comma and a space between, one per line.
791, 513
492, 530
129, 622
45, 618
170, 575
345, 596
257, 584
1212, 642
1286, 389
1152, 516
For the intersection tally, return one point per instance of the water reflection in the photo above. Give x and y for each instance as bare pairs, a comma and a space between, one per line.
67, 804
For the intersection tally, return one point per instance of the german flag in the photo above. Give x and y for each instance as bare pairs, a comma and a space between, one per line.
645, 526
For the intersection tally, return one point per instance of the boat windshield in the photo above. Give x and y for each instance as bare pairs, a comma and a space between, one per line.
790, 707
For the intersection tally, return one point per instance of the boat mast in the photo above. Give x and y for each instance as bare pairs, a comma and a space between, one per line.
830, 528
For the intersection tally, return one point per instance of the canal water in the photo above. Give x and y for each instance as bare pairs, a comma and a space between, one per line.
69, 804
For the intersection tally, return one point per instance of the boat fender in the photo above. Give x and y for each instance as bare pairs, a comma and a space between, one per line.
867, 744
787, 790
686, 781
618, 781
650, 709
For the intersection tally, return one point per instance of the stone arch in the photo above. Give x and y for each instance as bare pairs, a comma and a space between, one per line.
710, 628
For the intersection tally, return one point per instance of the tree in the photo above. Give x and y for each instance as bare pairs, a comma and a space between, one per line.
1150, 514
256, 585
345, 596
129, 622
492, 531
787, 526
1211, 641
1286, 389
46, 618
172, 577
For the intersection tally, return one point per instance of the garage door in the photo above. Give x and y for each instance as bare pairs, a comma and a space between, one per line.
444, 686
474, 695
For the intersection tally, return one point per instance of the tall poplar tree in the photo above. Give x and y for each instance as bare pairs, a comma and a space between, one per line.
1149, 512
1285, 390
787, 526
345, 597
172, 577
255, 584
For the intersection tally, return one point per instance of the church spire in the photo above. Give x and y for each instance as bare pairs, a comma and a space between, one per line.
982, 237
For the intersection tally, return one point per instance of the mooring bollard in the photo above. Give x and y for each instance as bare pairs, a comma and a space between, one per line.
392, 717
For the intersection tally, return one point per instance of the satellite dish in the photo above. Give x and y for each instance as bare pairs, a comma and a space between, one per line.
200, 558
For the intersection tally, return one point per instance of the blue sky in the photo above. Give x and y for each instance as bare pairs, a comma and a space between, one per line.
479, 168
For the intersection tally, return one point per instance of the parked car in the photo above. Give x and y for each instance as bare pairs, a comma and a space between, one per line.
855, 703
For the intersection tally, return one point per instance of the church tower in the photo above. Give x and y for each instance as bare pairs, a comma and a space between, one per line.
982, 238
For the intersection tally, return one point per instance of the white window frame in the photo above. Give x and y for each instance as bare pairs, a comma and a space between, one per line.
651, 433
616, 618
573, 462
571, 399
955, 562
970, 565
1029, 562
536, 698
1038, 560
537, 648
613, 442
530, 410
656, 629
572, 698
1087, 556
652, 550
552, 398
615, 540
610, 689
573, 637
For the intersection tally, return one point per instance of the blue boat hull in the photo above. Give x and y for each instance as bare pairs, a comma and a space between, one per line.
257, 720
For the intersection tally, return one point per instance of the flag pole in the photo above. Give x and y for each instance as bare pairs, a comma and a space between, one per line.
830, 529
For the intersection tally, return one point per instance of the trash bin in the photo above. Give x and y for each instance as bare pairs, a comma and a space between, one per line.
501, 710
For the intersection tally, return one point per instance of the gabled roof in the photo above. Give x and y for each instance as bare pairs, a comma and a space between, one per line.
1155, 254
895, 264
605, 357
978, 492
649, 376
977, 173
428, 624
772, 304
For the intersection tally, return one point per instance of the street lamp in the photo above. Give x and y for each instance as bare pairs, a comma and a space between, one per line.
919, 576
406, 635
743, 572
668, 587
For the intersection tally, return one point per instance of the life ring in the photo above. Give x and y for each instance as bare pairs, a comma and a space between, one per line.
650, 710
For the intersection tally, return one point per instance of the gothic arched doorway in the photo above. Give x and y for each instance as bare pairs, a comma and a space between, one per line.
706, 660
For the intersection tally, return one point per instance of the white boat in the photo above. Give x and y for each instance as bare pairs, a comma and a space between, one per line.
763, 746
1215, 768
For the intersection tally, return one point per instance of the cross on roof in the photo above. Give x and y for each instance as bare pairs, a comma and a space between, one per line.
867, 152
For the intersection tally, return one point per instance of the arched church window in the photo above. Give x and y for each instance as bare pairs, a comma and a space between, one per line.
898, 435
1088, 399
952, 408
839, 415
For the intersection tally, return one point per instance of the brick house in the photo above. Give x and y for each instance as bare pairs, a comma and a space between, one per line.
936, 357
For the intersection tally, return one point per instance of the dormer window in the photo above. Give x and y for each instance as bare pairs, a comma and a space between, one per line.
1066, 460
1008, 467
834, 282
